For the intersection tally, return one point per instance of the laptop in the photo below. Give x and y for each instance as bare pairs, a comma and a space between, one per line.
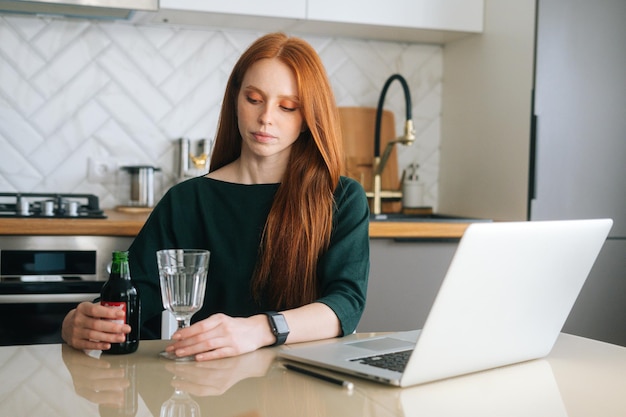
504, 300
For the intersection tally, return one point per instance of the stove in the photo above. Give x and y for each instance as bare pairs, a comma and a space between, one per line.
50, 205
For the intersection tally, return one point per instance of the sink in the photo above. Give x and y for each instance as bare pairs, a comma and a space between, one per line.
437, 218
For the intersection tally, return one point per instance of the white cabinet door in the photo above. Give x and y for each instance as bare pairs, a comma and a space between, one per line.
453, 15
295, 9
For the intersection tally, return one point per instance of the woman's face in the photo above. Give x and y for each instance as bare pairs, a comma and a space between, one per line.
268, 110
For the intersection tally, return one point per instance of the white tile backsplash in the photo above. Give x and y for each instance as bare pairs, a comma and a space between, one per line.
75, 90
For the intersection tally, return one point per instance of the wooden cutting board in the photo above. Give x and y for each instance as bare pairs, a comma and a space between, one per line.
357, 126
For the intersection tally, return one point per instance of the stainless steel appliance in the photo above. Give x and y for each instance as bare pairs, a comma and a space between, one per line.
579, 151
50, 205
141, 185
44, 277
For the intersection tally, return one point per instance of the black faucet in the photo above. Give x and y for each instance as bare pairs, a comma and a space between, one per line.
379, 111
406, 139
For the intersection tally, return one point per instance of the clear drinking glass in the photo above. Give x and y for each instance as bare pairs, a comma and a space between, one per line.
182, 275
180, 404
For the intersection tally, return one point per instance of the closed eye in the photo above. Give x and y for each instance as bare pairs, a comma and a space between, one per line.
289, 105
253, 100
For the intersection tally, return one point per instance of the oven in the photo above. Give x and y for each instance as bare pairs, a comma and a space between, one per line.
43, 277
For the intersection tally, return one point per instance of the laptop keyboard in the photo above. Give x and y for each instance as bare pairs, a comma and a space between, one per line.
395, 361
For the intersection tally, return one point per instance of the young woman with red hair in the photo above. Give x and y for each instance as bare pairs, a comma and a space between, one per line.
288, 235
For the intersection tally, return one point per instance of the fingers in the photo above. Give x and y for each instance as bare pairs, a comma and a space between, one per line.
97, 311
207, 325
91, 326
216, 337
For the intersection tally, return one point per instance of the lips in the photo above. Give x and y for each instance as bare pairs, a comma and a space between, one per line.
263, 137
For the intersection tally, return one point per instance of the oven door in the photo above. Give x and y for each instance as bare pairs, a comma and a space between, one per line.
38, 288
33, 313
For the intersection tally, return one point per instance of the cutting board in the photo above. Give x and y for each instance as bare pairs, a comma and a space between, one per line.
357, 127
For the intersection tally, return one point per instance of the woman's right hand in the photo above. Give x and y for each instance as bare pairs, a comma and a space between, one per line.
90, 326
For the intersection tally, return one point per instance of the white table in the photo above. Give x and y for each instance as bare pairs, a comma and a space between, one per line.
581, 377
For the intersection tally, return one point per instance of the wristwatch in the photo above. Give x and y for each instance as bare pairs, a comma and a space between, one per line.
279, 327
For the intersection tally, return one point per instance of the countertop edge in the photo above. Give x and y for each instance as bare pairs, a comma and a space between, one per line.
129, 224
426, 230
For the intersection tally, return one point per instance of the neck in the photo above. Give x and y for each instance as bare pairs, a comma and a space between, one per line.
244, 171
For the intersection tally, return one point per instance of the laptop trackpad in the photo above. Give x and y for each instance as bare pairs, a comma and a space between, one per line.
384, 343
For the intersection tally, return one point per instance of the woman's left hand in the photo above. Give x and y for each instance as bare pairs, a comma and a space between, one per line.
220, 336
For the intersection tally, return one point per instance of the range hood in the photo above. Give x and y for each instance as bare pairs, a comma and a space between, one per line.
90, 9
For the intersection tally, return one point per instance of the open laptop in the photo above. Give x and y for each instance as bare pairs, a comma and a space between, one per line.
504, 299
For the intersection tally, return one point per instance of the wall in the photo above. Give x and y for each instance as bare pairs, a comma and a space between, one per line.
72, 91
487, 98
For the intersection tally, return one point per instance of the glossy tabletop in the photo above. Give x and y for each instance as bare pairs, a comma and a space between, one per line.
580, 377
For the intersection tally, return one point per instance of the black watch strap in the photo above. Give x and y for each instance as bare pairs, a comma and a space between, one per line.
279, 327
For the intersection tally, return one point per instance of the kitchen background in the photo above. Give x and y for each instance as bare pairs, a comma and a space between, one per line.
81, 98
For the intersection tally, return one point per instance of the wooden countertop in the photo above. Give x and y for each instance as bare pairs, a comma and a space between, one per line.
129, 224
116, 224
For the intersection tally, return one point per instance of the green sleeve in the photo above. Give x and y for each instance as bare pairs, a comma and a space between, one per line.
344, 269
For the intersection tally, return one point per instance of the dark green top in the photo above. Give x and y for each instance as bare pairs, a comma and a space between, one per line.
227, 219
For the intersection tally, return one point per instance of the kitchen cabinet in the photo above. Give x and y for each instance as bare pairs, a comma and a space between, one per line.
426, 21
430, 21
293, 9
579, 168
599, 311
267, 16
543, 140
405, 276
453, 15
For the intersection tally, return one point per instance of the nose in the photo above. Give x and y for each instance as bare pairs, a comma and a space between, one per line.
266, 117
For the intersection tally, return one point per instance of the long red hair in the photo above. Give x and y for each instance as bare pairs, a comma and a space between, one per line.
299, 225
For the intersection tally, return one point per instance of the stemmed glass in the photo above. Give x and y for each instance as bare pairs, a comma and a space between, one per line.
180, 404
182, 274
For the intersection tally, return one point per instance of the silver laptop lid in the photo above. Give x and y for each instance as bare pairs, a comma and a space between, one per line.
506, 295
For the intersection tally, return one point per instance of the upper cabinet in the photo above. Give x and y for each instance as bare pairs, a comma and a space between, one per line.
426, 21
292, 9
431, 21
453, 15
267, 16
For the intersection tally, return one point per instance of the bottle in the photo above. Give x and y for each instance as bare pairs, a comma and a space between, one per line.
119, 292
412, 190
127, 400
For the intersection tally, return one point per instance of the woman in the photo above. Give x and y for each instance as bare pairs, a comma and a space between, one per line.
286, 232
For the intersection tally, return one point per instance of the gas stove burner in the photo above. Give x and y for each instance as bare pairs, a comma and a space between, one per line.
52, 205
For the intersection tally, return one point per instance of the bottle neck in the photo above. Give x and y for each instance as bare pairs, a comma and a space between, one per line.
119, 267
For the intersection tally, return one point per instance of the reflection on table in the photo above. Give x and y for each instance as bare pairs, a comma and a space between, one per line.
581, 377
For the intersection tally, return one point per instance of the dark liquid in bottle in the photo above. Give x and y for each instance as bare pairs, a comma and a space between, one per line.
119, 292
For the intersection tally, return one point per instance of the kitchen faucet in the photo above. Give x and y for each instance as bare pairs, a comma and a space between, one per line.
406, 139
193, 164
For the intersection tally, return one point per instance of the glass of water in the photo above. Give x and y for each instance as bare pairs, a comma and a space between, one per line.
182, 275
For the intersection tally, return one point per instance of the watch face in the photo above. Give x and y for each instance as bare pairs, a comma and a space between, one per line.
280, 323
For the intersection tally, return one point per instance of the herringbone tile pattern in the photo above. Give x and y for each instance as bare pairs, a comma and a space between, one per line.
75, 90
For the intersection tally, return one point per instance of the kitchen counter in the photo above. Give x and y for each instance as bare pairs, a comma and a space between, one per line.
116, 224
129, 224
580, 377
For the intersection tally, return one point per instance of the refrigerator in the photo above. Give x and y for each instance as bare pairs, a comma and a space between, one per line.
578, 150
